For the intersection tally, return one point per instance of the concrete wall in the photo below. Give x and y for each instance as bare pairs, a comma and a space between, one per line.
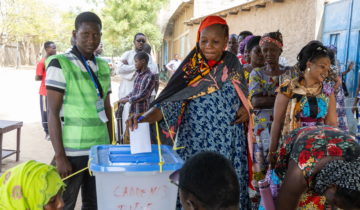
298, 21
178, 40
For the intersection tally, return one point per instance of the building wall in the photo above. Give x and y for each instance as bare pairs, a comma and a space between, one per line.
342, 29
178, 41
297, 20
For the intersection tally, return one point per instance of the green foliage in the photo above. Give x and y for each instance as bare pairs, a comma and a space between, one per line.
25, 18
35, 21
122, 19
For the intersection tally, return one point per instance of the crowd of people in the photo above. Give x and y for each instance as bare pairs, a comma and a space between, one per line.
243, 101
235, 110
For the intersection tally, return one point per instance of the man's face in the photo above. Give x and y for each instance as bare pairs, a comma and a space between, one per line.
51, 50
139, 42
88, 37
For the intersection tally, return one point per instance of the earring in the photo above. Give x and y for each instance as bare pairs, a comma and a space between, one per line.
308, 69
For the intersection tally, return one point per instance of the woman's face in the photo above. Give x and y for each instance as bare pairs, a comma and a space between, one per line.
213, 42
233, 45
55, 203
256, 57
319, 69
271, 53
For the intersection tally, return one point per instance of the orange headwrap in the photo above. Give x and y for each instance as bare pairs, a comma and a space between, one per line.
208, 21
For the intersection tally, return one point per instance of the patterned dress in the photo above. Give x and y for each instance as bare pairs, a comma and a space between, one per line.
263, 85
340, 109
207, 126
307, 107
340, 99
307, 146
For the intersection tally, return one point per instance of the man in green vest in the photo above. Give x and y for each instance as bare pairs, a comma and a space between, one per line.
78, 88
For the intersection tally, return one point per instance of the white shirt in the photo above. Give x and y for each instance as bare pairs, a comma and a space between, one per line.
127, 72
173, 64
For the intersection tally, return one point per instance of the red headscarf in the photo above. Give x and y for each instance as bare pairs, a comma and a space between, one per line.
208, 21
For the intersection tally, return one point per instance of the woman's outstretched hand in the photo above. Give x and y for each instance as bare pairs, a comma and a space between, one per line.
151, 116
132, 122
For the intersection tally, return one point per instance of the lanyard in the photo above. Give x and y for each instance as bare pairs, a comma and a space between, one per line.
91, 75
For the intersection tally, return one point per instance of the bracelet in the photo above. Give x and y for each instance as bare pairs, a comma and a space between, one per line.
140, 118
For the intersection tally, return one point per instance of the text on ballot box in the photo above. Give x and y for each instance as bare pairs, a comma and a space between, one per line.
128, 181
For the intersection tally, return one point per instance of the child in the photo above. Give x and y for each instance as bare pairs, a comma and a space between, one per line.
207, 181
144, 84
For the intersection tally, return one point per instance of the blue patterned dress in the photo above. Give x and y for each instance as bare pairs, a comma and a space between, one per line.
206, 126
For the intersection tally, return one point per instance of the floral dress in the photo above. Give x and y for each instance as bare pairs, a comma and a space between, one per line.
307, 146
307, 107
207, 126
264, 85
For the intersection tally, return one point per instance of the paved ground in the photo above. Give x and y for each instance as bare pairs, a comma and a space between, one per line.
20, 102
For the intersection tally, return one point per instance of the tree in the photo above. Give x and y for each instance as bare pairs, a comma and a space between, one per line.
122, 19
27, 24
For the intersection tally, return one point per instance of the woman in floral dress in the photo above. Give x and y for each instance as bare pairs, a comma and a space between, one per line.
318, 164
310, 102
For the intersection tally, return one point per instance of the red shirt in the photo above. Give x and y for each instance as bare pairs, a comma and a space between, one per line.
41, 71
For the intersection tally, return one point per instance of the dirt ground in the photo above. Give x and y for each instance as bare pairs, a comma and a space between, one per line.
20, 102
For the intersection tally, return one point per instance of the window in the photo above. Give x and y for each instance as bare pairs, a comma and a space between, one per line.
334, 39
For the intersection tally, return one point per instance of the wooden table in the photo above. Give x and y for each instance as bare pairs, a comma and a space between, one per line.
6, 126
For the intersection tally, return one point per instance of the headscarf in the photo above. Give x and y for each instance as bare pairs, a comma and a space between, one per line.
243, 44
272, 37
29, 185
344, 174
183, 84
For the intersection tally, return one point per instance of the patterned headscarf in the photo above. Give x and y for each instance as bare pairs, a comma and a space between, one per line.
29, 185
272, 37
193, 68
344, 174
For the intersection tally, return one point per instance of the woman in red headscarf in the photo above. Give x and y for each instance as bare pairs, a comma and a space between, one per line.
204, 106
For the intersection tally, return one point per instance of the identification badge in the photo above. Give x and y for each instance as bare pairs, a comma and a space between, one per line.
100, 109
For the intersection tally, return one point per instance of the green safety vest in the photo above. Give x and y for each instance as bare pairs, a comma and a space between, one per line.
82, 126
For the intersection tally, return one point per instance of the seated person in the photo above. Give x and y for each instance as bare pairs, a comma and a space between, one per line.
318, 164
31, 185
207, 181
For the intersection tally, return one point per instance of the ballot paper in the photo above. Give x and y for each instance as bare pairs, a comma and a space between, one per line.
140, 139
